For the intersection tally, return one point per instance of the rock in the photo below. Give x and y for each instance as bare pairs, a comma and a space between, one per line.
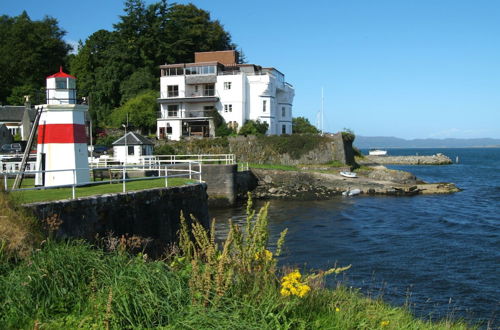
267, 179
393, 176
273, 190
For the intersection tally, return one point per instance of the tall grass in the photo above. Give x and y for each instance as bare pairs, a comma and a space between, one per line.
237, 285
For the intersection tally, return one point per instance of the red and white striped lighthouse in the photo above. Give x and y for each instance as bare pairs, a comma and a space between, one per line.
62, 141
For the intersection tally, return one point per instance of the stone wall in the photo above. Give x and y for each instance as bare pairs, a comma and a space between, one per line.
152, 213
331, 148
221, 183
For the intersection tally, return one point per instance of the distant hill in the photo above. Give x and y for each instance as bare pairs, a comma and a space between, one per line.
370, 142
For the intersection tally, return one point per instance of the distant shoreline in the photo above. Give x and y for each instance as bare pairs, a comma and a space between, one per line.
476, 147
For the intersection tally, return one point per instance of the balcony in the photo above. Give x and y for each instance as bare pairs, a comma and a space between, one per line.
166, 114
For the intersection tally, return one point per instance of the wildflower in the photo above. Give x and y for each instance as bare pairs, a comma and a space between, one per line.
291, 285
337, 309
384, 323
266, 255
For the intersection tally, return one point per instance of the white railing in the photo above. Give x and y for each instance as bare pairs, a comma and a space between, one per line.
154, 160
116, 174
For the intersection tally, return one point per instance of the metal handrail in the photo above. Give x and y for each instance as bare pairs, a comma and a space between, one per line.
166, 169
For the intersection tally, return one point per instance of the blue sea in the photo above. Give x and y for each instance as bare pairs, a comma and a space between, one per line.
439, 255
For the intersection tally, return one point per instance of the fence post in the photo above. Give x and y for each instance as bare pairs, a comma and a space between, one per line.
199, 166
190, 170
166, 175
5, 179
123, 179
74, 184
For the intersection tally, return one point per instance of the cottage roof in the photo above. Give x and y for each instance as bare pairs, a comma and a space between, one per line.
11, 113
132, 138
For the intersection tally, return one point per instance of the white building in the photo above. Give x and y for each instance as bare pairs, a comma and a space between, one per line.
190, 92
131, 148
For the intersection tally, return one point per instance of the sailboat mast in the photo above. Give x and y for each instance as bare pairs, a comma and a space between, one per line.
322, 110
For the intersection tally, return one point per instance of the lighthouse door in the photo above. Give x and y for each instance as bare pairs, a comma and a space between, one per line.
43, 168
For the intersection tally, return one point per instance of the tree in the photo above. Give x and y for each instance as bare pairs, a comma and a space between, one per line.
140, 110
252, 127
115, 66
29, 52
301, 125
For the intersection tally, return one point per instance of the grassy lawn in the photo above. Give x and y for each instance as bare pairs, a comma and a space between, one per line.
274, 167
31, 196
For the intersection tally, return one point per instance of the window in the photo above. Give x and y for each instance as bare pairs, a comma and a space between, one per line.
61, 83
172, 91
205, 69
130, 150
283, 129
264, 105
174, 71
209, 90
196, 88
173, 110
228, 108
227, 85
169, 129
283, 112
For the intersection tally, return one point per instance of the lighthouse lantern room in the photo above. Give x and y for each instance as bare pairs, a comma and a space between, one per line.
62, 139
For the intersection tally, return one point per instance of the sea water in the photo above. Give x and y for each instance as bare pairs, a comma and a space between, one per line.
437, 254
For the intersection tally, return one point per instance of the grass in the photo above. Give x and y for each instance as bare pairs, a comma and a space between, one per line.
71, 284
31, 196
274, 167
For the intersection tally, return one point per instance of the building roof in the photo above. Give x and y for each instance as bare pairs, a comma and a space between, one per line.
61, 74
12, 113
132, 138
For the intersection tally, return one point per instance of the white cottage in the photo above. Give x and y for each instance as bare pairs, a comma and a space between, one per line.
190, 92
131, 147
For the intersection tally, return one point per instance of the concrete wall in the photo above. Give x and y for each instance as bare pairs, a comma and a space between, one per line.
152, 213
221, 183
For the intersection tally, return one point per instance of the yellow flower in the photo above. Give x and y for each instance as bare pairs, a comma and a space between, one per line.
266, 255
384, 323
291, 285
337, 309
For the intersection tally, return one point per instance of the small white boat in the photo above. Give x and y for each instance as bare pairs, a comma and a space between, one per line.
351, 192
377, 152
348, 174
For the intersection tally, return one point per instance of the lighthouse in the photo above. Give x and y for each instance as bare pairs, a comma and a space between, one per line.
62, 140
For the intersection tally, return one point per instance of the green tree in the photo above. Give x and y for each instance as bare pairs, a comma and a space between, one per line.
29, 52
301, 125
252, 127
115, 66
141, 111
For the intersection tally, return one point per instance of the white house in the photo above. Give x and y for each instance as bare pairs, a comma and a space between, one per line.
190, 92
129, 148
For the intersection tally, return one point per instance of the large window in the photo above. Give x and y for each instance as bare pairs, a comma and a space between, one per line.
227, 85
204, 69
209, 90
228, 108
61, 83
174, 71
172, 90
173, 110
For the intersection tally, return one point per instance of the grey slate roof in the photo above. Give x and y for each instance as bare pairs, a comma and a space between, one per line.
12, 113
132, 139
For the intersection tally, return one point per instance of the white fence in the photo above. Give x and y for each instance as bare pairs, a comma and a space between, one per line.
156, 160
118, 174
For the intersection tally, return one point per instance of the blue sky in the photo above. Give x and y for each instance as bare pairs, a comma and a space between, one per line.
405, 68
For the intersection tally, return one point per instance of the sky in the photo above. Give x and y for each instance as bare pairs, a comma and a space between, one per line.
403, 68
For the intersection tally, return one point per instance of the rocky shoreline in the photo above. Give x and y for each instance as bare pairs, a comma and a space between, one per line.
437, 159
312, 185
